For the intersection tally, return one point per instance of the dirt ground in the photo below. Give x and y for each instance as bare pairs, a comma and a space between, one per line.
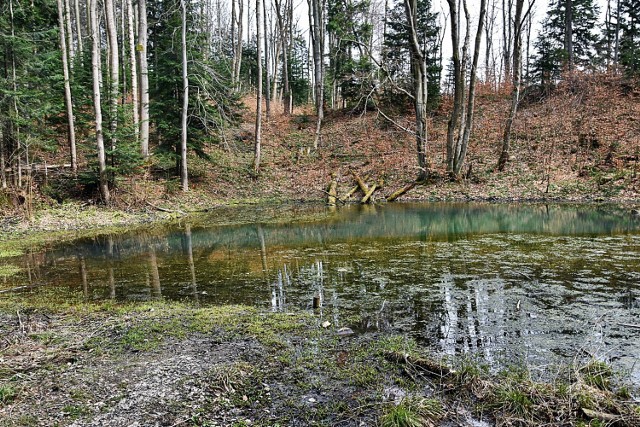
163, 364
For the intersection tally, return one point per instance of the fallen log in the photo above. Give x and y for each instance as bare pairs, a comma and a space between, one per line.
332, 192
372, 189
363, 185
401, 191
600, 415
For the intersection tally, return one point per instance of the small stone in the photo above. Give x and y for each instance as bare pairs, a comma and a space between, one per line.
326, 324
244, 397
312, 400
344, 332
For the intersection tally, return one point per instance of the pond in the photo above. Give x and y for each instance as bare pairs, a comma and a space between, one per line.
507, 283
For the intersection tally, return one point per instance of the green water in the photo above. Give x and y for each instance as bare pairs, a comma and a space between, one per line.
506, 283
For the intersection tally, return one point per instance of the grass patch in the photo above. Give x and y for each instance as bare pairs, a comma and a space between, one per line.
7, 394
413, 413
9, 270
9, 253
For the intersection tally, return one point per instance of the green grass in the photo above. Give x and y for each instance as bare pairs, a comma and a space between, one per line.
413, 413
7, 394
9, 270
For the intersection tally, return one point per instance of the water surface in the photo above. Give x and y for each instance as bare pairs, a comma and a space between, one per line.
505, 283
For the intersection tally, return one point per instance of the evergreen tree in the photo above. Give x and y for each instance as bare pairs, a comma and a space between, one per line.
211, 100
397, 50
31, 80
552, 55
349, 35
630, 37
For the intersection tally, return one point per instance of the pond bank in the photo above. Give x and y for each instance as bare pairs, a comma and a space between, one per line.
175, 364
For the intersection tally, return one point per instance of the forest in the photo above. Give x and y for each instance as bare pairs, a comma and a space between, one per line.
130, 103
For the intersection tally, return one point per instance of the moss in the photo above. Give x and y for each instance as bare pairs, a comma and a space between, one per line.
9, 253
9, 270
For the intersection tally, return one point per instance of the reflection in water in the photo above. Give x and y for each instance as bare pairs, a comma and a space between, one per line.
504, 282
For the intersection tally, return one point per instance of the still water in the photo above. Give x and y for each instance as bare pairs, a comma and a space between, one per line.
540, 284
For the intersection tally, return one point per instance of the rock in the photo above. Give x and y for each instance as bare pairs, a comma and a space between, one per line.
326, 324
344, 332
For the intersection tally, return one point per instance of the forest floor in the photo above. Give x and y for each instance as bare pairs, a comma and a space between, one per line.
582, 143
68, 363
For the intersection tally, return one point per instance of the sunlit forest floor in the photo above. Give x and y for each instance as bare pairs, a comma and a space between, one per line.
579, 143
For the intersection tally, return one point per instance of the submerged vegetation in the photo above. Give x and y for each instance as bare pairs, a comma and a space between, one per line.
207, 366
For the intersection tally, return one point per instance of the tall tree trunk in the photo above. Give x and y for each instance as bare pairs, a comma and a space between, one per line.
95, 67
471, 97
144, 78
134, 71
258, 133
238, 47
458, 150
76, 6
184, 180
317, 37
515, 92
507, 6
267, 95
114, 72
285, 60
420, 81
616, 52
71, 51
568, 32
67, 90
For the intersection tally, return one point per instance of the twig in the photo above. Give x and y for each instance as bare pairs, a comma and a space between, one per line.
165, 209
629, 325
20, 322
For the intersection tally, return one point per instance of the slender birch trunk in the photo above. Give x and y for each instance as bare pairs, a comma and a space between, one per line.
184, 180
134, 71
267, 95
69, 33
317, 36
515, 91
114, 71
67, 90
144, 78
95, 67
76, 7
419, 73
258, 136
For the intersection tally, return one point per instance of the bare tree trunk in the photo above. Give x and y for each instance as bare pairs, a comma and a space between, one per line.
419, 72
67, 22
95, 62
184, 180
515, 93
238, 47
67, 90
285, 60
456, 152
317, 36
616, 52
234, 18
134, 71
114, 72
144, 78
258, 135
76, 6
507, 6
568, 32
267, 95
471, 97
